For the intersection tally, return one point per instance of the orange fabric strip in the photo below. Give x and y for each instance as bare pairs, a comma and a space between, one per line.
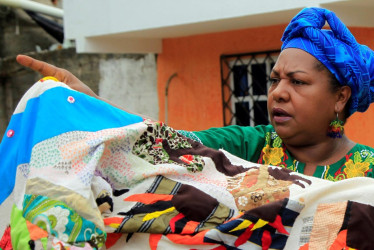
149, 198
340, 242
36, 232
197, 239
190, 227
304, 247
153, 240
112, 220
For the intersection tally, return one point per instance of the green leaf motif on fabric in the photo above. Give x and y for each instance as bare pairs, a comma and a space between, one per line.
357, 157
291, 167
330, 178
338, 177
267, 138
369, 158
272, 138
277, 142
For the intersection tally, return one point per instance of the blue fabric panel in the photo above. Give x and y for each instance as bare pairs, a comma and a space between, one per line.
49, 115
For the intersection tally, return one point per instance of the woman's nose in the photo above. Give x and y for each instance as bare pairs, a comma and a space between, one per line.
280, 92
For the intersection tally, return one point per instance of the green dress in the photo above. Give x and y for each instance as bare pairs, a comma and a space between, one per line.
262, 144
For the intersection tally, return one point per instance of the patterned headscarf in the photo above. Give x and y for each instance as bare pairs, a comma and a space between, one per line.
350, 62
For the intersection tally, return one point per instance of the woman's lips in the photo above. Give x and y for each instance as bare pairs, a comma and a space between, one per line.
280, 116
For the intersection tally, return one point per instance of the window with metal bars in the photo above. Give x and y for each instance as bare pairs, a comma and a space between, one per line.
245, 81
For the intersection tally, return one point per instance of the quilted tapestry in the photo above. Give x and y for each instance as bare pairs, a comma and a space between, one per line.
81, 174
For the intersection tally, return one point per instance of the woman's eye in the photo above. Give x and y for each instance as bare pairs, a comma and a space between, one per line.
274, 80
297, 82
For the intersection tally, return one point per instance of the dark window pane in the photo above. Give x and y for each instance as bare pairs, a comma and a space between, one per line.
260, 113
259, 79
242, 113
244, 79
240, 80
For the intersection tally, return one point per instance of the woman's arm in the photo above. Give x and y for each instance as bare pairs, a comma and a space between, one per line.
61, 74
64, 76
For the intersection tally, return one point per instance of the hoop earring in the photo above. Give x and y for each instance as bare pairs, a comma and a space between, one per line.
336, 128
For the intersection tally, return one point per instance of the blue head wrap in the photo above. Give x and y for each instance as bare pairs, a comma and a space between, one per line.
350, 62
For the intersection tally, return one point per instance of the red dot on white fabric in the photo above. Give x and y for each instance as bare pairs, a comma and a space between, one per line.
10, 133
71, 99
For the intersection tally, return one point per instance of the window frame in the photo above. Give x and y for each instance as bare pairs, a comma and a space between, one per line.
229, 100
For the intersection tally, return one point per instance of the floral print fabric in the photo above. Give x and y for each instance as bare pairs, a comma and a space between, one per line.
61, 221
358, 162
262, 144
152, 144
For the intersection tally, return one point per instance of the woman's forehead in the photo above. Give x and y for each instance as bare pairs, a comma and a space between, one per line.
292, 59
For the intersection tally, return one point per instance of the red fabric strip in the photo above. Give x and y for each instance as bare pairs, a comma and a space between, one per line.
112, 239
174, 220
266, 240
244, 236
6, 241
277, 224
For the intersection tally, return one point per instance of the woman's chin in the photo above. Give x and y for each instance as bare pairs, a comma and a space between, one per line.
283, 132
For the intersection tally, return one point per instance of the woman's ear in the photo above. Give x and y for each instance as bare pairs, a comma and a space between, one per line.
343, 95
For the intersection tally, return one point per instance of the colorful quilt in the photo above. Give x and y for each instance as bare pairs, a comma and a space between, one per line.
81, 174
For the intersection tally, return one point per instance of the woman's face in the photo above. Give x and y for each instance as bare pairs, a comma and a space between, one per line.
301, 103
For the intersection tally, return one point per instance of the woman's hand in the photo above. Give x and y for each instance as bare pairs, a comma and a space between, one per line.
61, 74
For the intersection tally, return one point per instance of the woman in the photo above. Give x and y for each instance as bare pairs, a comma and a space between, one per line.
320, 78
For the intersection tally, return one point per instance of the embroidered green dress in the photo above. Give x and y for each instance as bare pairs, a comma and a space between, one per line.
262, 144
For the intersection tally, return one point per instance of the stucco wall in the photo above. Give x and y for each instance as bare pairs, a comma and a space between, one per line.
195, 101
130, 82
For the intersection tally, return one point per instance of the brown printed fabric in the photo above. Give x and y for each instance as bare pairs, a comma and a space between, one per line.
185, 204
162, 144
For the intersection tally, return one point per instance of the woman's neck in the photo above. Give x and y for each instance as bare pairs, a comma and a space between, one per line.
326, 152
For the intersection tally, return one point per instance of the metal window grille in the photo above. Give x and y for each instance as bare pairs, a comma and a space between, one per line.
245, 80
